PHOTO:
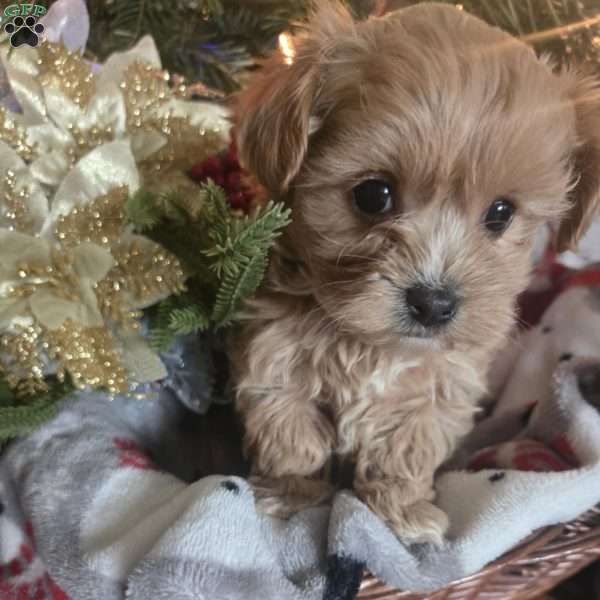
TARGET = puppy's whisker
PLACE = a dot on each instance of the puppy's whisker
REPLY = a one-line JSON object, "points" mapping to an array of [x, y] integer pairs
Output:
{"points": [[363, 257], [339, 283], [328, 239], [342, 253]]}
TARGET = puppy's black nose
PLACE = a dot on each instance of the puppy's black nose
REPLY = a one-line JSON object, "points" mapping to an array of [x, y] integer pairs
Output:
{"points": [[431, 306]]}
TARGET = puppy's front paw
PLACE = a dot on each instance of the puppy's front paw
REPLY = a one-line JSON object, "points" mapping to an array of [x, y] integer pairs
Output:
{"points": [[288, 439], [419, 522]]}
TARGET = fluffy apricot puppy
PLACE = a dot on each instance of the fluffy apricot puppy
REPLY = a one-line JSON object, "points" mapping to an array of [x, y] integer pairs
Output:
{"points": [[419, 152]]}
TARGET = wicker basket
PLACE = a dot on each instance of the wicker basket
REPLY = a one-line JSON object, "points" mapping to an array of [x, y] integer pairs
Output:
{"points": [[537, 565]]}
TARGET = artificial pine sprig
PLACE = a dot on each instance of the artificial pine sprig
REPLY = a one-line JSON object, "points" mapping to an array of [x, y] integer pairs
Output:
{"points": [[226, 255], [238, 239], [239, 254], [237, 285], [161, 335], [239, 251], [190, 319]]}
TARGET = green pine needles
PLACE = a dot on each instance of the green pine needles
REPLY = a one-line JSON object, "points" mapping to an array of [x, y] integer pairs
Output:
{"points": [[18, 416], [238, 256], [225, 255], [214, 41]]}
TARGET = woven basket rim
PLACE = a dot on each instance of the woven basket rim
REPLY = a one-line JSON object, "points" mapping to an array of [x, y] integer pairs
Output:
{"points": [[579, 539]]}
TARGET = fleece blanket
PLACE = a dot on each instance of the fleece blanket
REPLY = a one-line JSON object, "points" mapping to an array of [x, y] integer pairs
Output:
{"points": [[105, 501]]}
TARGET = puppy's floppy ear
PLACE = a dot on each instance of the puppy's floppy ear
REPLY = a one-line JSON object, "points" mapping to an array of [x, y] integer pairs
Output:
{"points": [[274, 116], [585, 196], [272, 119]]}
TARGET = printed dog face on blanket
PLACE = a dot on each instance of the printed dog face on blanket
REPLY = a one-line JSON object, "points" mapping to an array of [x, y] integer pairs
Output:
{"points": [[419, 153]]}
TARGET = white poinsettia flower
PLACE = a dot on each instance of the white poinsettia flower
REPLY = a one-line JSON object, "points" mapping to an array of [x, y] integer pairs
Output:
{"points": [[68, 113], [34, 284], [65, 266], [62, 129], [39, 277], [71, 130], [101, 170]]}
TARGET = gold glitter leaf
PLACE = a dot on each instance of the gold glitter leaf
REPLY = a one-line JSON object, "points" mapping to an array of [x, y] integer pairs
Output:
{"points": [[90, 356], [144, 90], [85, 140], [20, 361], [101, 221], [14, 213], [16, 136], [144, 273], [186, 145], [65, 71]]}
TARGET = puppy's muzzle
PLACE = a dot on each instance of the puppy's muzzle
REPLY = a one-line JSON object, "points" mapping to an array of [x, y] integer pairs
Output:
{"points": [[431, 307]]}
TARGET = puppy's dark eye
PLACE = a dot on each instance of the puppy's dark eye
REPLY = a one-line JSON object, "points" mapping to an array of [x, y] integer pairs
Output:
{"points": [[499, 215], [374, 197]]}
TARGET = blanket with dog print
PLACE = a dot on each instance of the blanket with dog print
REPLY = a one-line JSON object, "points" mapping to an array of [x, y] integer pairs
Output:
{"points": [[102, 502]]}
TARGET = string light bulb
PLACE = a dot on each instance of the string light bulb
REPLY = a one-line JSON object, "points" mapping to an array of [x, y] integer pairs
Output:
{"points": [[286, 46]]}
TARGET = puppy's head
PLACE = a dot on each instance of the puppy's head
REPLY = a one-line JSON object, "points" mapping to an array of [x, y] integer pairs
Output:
{"points": [[420, 152]]}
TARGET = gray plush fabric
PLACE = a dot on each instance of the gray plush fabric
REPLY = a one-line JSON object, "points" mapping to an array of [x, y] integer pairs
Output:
{"points": [[104, 501], [106, 523]]}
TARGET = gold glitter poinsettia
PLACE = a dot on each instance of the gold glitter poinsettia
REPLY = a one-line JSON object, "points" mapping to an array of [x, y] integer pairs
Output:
{"points": [[68, 110], [73, 275]]}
